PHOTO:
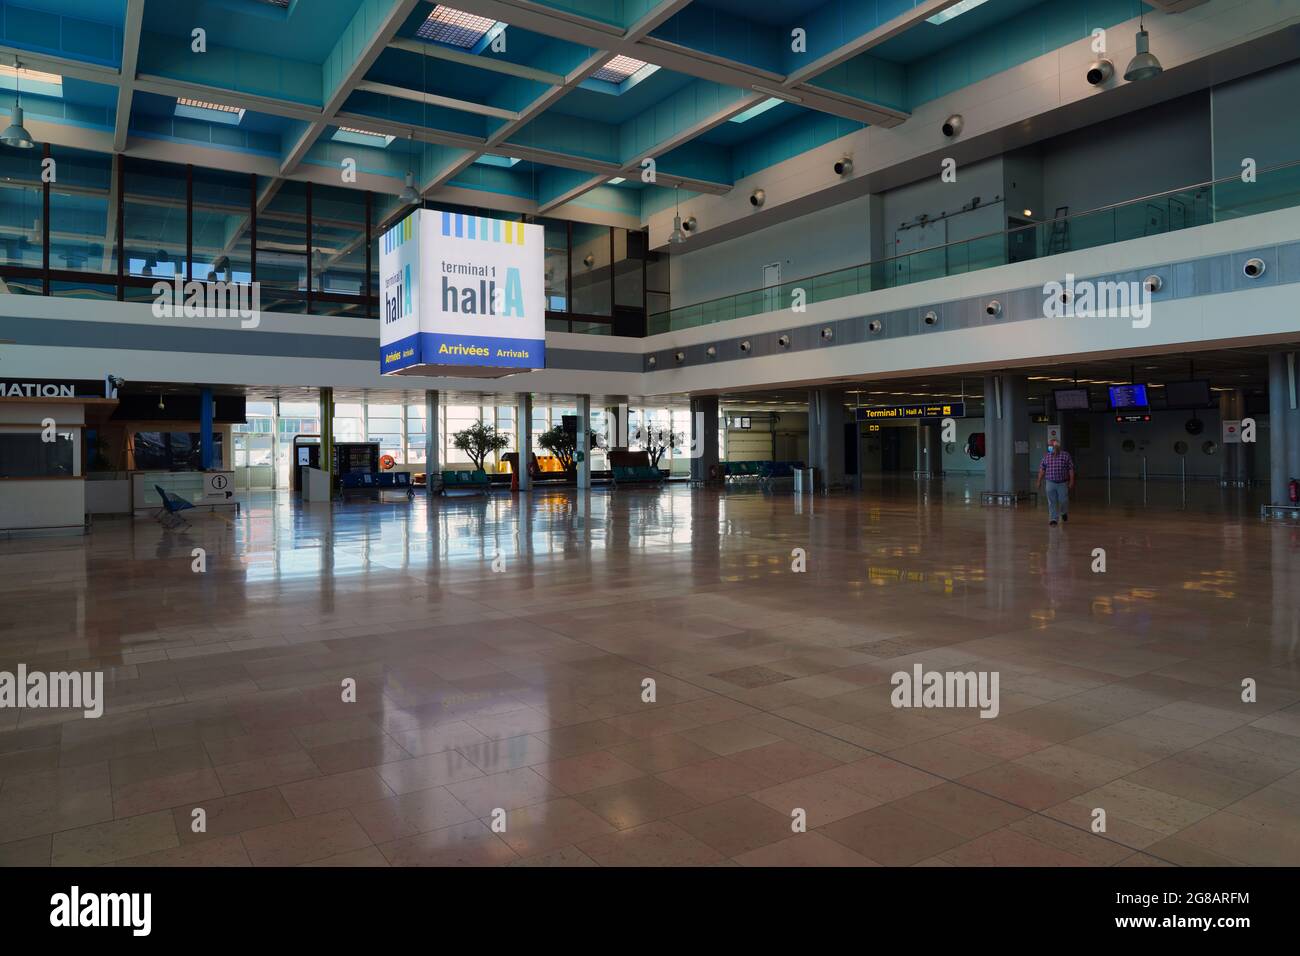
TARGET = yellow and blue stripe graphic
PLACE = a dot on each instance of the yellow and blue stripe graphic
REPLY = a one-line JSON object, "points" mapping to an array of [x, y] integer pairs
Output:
{"points": [[394, 237], [482, 229]]}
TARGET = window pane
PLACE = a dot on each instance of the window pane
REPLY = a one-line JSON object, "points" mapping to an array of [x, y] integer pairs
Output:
{"points": [[282, 238], [83, 237], [21, 208], [591, 273], [338, 238], [222, 226], [153, 218]]}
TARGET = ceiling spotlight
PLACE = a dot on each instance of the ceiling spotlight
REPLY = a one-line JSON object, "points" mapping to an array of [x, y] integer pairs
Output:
{"points": [[690, 224], [680, 357], [711, 351], [1253, 269], [745, 346], [993, 308], [783, 341], [1153, 283], [15, 133], [930, 318], [757, 197], [1099, 71], [1144, 65], [952, 125], [844, 166], [874, 326], [652, 361], [828, 333], [588, 260]]}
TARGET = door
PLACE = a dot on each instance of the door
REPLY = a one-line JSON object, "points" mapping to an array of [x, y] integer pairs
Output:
{"points": [[891, 449], [771, 286]]}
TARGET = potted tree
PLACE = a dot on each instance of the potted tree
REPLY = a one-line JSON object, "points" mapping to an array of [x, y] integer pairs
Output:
{"points": [[564, 446], [478, 441], [656, 439]]}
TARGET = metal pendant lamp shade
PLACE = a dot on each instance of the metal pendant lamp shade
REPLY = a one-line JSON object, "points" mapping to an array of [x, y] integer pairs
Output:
{"points": [[16, 134], [1144, 65], [409, 194]]}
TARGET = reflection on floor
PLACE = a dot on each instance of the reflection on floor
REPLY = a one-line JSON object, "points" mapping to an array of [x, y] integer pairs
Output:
{"points": [[499, 650]]}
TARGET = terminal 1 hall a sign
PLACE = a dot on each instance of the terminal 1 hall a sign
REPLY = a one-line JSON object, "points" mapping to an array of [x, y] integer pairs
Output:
{"points": [[912, 413], [462, 296]]}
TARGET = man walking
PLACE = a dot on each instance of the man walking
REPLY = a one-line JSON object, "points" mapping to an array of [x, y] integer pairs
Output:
{"points": [[1057, 467]]}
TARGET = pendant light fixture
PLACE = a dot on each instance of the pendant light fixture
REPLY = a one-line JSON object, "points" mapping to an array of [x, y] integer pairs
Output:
{"points": [[1144, 65], [409, 194], [677, 236], [15, 133]]}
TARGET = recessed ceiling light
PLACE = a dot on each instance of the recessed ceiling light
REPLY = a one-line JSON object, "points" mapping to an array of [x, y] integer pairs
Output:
{"points": [[617, 180], [362, 137], [212, 112]]}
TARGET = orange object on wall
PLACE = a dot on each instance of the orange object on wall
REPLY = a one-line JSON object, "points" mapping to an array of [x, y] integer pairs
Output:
{"points": [[387, 462]]}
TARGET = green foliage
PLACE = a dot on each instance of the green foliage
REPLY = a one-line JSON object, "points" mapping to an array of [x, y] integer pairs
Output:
{"points": [[478, 441]]}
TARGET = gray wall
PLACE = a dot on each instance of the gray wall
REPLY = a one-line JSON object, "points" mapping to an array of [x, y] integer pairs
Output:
{"points": [[833, 238], [936, 198], [1256, 117], [1150, 151]]}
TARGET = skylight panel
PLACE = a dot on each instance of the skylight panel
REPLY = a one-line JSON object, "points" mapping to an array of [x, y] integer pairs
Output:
{"points": [[455, 27], [31, 81], [487, 159], [756, 110], [956, 10], [619, 69]]}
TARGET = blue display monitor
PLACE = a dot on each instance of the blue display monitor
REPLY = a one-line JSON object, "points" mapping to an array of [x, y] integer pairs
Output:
{"points": [[1128, 396]]}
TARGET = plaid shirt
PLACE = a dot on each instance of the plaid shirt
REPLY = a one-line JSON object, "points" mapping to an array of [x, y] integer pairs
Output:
{"points": [[1057, 467]]}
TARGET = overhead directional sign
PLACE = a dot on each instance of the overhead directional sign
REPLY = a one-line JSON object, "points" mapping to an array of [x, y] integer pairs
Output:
{"points": [[462, 295], [875, 413]]}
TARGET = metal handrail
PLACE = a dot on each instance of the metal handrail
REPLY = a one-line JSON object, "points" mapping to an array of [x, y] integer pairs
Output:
{"points": [[1209, 183]]}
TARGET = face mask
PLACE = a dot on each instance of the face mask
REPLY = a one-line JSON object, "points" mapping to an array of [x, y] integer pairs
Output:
{"points": [[1051, 449]]}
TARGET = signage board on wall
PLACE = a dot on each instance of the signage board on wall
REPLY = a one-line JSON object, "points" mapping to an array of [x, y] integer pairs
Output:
{"points": [[461, 296], [50, 388], [870, 413]]}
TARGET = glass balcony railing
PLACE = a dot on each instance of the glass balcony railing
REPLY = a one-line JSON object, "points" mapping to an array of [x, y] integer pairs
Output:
{"points": [[1277, 187]]}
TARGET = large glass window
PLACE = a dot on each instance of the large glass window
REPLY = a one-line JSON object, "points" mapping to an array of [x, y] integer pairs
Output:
{"points": [[22, 203], [222, 226], [557, 265], [415, 433], [384, 425], [83, 214], [282, 247], [154, 218]]}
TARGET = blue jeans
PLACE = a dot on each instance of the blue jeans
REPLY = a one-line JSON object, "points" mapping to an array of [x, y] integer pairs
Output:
{"points": [[1058, 499]]}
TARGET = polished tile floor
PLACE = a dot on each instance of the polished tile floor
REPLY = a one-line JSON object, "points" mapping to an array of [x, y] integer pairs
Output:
{"points": [[499, 650]]}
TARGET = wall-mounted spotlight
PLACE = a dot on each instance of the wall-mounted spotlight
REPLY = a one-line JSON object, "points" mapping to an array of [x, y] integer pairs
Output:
{"points": [[745, 346], [757, 197], [1153, 283], [1099, 71], [783, 341], [588, 260], [930, 318], [828, 333], [652, 361], [711, 351], [874, 326], [844, 167], [952, 125], [1065, 296], [680, 357], [994, 308], [1253, 269], [690, 225]]}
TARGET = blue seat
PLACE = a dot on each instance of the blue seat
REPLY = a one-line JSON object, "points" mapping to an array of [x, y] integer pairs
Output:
{"points": [[172, 505]]}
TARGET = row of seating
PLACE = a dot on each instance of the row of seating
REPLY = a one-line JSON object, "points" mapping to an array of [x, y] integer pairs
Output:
{"points": [[631, 474], [761, 469], [372, 483], [472, 482]]}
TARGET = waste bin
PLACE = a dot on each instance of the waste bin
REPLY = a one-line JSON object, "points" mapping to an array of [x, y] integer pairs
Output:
{"points": [[803, 481]]}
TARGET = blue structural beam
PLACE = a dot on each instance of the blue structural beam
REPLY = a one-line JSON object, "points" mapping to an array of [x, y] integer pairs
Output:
{"points": [[869, 79], [723, 34], [670, 121], [229, 69], [570, 135], [206, 414], [74, 38]]}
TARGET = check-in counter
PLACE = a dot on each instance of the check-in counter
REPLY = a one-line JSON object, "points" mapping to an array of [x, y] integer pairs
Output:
{"points": [[41, 483]]}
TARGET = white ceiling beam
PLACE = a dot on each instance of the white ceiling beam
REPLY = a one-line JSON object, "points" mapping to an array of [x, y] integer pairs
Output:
{"points": [[126, 78], [434, 99], [90, 72], [432, 50], [379, 41], [164, 86]]}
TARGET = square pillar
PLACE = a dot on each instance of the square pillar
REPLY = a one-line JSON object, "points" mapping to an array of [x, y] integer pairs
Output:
{"points": [[582, 452], [432, 440], [326, 430], [207, 411], [524, 437], [704, 436], [826, 420]]}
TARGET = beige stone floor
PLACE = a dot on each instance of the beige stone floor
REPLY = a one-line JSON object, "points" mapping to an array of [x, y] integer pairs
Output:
{"points": [[520, 690]]}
